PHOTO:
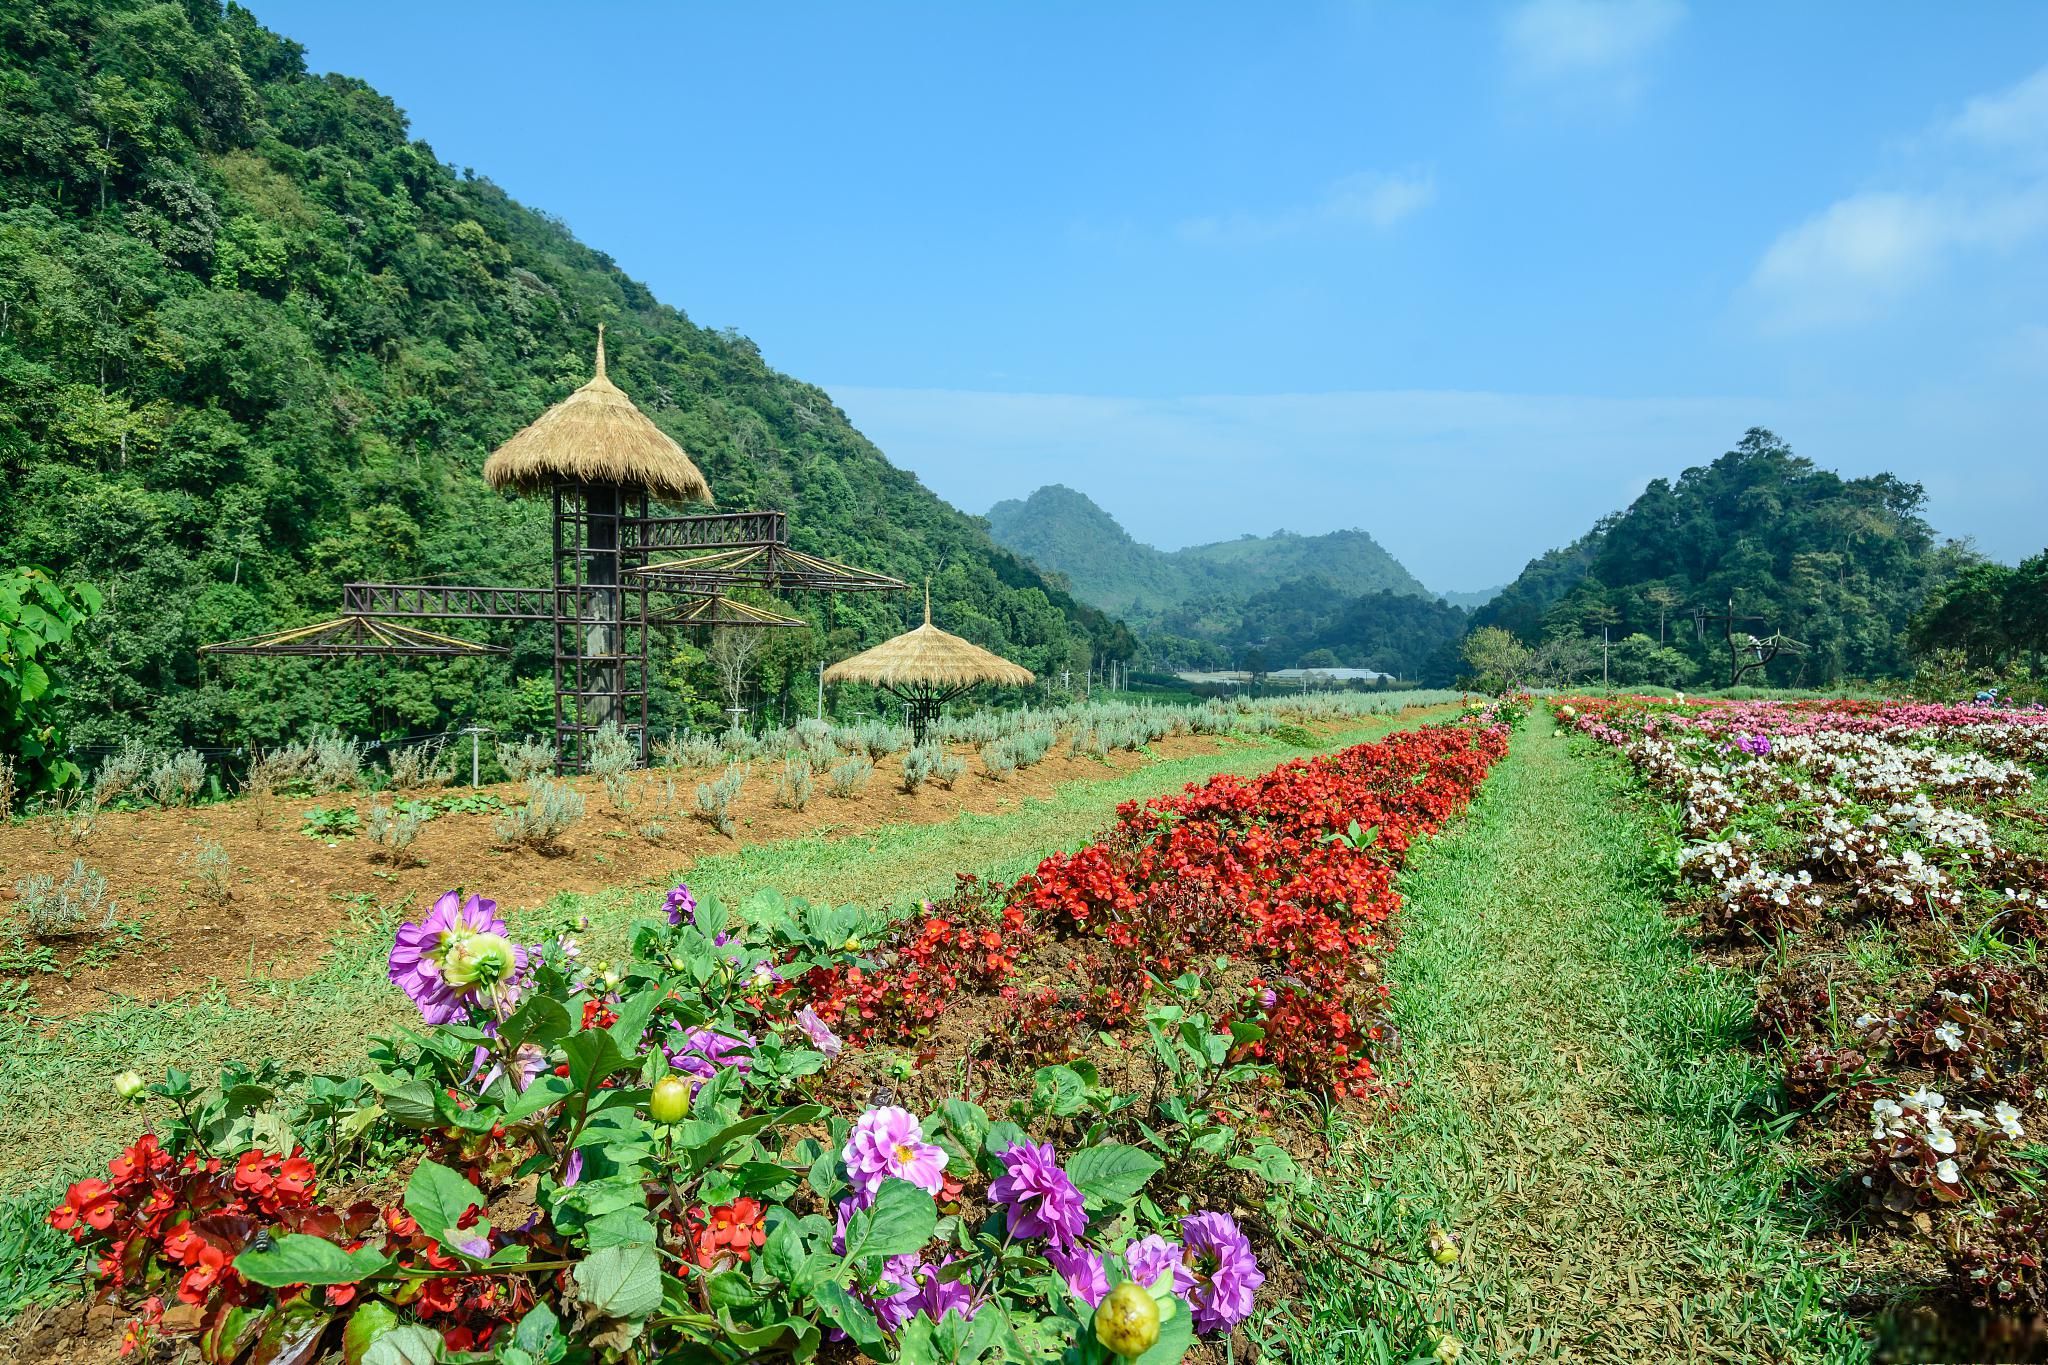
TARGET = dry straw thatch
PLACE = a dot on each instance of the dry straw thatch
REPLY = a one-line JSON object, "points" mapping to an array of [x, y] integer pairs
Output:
{"points": [[596, 436], [928, 660]]}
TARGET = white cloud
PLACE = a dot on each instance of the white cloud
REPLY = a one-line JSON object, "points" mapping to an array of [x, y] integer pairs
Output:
{"points": [[2014, 119], [1370, 200], [1593, 46], [1858, 256]]}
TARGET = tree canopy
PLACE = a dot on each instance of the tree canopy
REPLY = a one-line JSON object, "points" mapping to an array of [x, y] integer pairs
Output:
{"points": [[1839, 565]]}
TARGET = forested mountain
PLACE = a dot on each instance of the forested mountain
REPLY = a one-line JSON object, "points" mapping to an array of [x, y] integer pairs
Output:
{"points": [[1336, 600], [255, 340], [1062, 530], [1303, 623], [1839, 565]]}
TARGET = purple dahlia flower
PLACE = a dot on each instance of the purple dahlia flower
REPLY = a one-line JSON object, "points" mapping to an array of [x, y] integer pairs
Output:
{"points": [[937, 1297], [1041, 1199], [1227, 1274], [1146, 1258], [457, 956], [703, 1053], [1086, 1276]]}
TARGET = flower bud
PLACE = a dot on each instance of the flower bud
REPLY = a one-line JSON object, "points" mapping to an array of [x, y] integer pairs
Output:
{"points": [[670, 1101], [1448, 1349], [129, 1085], [1443, 1246], [477, 959], [1127, 1321]]}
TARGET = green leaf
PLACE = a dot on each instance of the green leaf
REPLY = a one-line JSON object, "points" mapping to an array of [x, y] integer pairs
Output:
{"points": [[783, 1254], [731, 1289], [843, 1311], [1112, 1173], [902, 1220], [1059, 1090], [407, 1345], [437, 1198], [371, 1320], [593, 1055], [542, 1092], [968, 1122], [622, 1282], [539, 1334], [618, 1228], [407, 1099], [1176, 1336], [634, 1012], [297, 1258]]}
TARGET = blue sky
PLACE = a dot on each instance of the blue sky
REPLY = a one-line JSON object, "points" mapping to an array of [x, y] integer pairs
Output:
{"points": [[1466, 276]]}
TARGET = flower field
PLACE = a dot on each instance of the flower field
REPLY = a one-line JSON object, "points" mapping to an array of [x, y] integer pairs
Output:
{"points": [[1064, 1116], [1882, 869]]}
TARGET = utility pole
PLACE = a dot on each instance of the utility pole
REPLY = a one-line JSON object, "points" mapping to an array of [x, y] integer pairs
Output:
{"points": [[821, 689], [1603, 659], [476, 734]]}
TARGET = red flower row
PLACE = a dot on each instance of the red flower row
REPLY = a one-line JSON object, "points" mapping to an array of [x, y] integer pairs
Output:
{"points": [[1263, 869]]}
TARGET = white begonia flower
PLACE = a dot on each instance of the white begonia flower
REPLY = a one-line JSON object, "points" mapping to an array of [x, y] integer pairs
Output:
{"points": [[2008, 1120], [1923, 1098], [1947, 1173], [1951, 1035]]}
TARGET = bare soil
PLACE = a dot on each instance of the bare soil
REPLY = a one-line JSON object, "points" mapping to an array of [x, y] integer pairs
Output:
{"points": [[291, 892]]}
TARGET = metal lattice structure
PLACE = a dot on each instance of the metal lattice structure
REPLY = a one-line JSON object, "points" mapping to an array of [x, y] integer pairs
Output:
{"points": [[618, 570]]}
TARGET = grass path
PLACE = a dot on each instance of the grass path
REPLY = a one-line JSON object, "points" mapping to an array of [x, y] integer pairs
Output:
{"points": [[1570, 1106], [57, 1117]]}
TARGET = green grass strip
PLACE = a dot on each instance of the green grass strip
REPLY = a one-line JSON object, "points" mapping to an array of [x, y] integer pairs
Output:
{"points": [[1571, 1104]]}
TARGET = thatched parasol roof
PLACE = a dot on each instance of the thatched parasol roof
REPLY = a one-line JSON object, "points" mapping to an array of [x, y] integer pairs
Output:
{"points": [[596, 435], [928, 659]]}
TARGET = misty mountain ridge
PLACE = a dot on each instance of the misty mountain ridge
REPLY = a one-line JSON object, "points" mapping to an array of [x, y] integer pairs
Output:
{"points": [[1065, 531]]}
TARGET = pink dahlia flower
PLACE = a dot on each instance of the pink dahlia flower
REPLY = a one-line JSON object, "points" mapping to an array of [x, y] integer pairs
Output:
{"points": [[889, 1142]]}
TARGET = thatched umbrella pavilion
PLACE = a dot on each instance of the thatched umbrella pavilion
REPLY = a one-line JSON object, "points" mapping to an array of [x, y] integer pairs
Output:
{"points": [[596, 438], [601, 459], [927, 668]]}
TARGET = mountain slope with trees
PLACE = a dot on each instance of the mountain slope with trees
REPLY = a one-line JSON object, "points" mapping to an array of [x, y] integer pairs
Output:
{"points": [[1258, 602], [255, 341], [1838, 565]]}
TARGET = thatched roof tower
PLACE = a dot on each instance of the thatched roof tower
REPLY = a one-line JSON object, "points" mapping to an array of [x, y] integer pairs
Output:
{"points": [[596, 436], [928, 660]]}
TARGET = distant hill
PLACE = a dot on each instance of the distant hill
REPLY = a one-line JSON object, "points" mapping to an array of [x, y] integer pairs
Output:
{"points": [[1277, 601], [1065, 531], [1838, 564], [1472, 601]]}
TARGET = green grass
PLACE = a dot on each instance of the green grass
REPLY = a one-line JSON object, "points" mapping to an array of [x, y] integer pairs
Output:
{"points": [[60, 1121], [1572, 1104]]}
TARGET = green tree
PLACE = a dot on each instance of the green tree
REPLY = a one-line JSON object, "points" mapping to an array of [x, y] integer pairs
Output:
{"points": [[1497, 661], [37, 616]]}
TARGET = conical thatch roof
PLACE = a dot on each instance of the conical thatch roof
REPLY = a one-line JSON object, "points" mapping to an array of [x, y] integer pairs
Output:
{"points": [[596, 435], [928, 659]]}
